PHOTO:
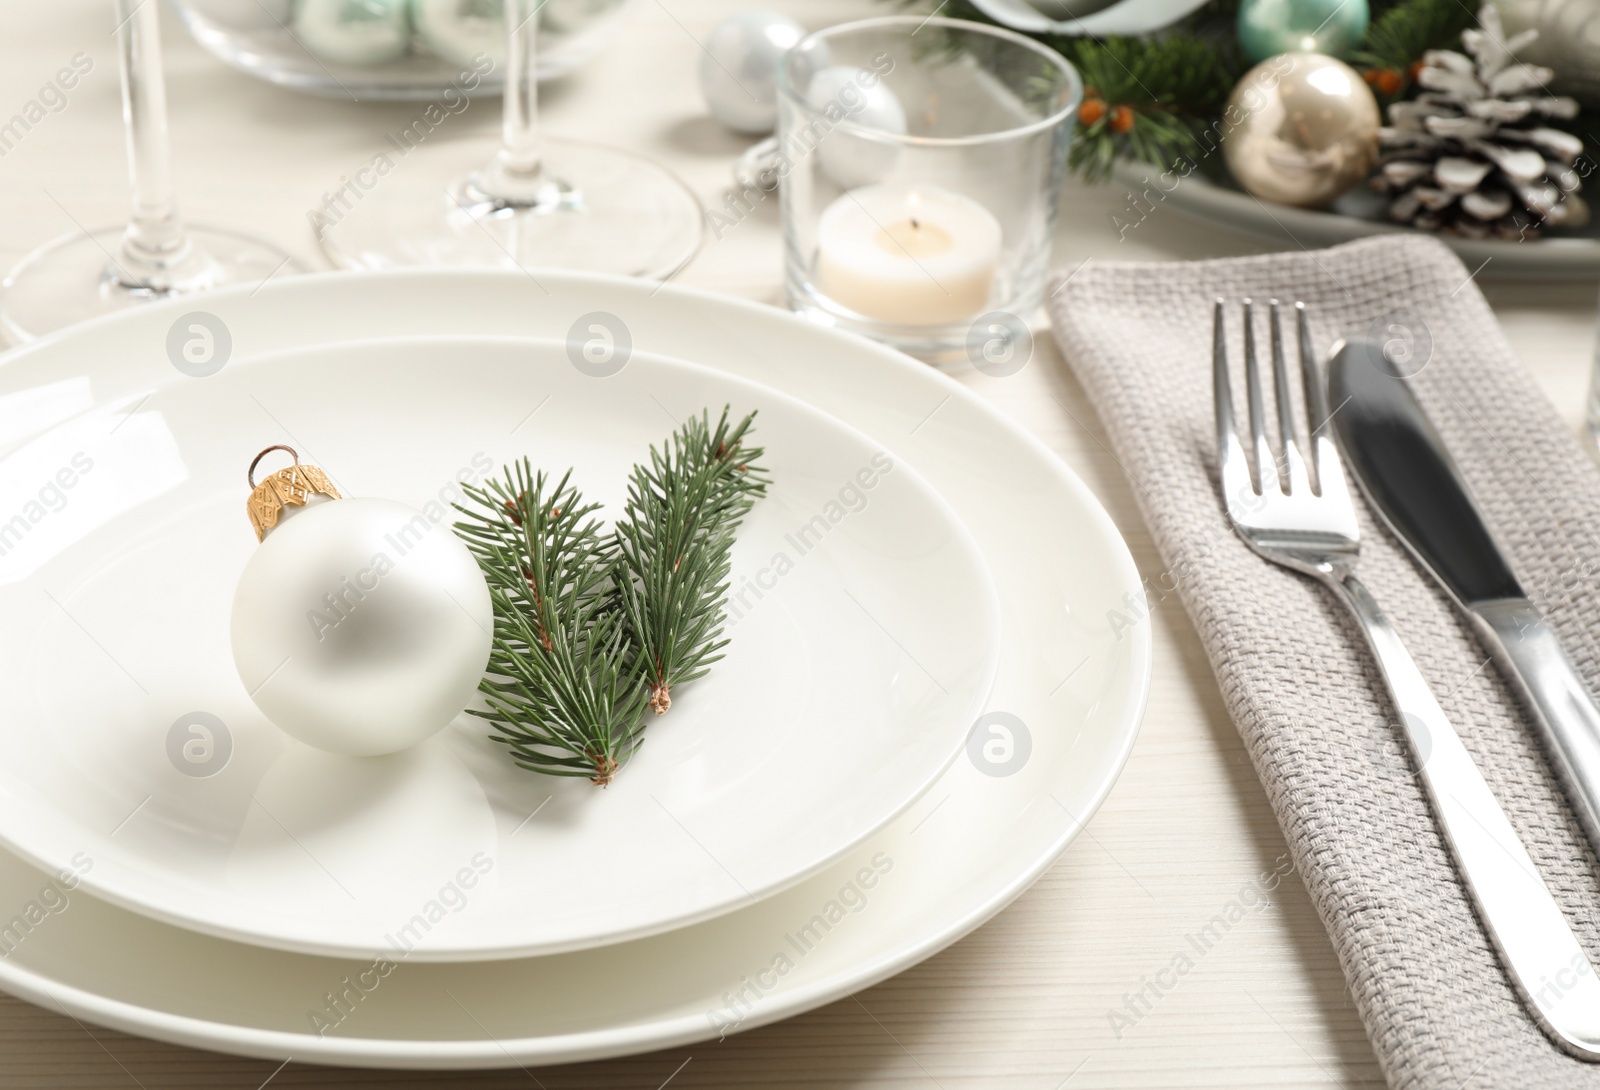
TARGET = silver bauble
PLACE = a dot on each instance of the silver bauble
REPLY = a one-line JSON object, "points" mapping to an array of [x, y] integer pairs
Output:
{"points": [[361, 627], [857, 97], [1300, 129], [739, 68]]}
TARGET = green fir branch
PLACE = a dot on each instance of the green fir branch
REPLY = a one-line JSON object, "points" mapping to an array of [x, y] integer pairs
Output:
{"points": [[673, 548], [1175, 84], [592, 630], [561, 689], [1399, 36]]}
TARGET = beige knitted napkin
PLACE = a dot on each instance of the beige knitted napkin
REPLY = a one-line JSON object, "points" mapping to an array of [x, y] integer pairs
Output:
{"points": [[1294, 671]]}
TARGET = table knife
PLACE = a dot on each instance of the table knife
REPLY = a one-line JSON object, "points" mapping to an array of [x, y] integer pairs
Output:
{"points": [[1409, 477]]}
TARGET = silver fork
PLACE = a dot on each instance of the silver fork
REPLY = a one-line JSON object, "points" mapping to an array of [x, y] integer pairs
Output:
{"points": [[1314, 531]]}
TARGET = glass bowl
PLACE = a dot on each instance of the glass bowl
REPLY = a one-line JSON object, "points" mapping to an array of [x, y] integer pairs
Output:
{"points": [[269, 40]]}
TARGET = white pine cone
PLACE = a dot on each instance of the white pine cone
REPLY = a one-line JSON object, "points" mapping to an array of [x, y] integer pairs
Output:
{"points": [[1469, 155]]}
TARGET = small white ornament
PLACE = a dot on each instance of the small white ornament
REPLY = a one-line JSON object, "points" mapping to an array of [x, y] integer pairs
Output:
{"points": [[460, 30], [739, 68], [358, 33], [359, 626], [858, 97], [1086, 17]]}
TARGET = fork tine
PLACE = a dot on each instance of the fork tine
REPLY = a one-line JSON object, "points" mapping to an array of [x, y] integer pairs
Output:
{"points": [[1312, 532], [1299, 478], [1324, 454], [1266, 462], [1316, 392], [1234, 468], [1221, 388]]}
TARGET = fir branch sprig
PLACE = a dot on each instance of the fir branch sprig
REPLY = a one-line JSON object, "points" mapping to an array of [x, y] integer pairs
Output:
{"points": [[1145, 98], [593, 629], [1397, 38], [1391, 53], [561, 686], [1148, 99], [673, 547]]}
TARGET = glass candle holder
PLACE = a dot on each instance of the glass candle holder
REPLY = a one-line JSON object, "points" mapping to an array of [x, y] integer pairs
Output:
{"points": [[921, 163]]}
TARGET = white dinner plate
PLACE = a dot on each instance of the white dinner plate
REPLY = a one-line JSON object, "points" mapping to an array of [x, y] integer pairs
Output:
{"points": [[847, 689], [1056, 731]]}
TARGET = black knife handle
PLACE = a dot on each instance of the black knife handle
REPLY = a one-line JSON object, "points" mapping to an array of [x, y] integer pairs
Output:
{"points": [[1407, 474]]}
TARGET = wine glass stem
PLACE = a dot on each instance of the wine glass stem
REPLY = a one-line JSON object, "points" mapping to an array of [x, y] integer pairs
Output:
{"points": [[155, 241], [519, 152]]}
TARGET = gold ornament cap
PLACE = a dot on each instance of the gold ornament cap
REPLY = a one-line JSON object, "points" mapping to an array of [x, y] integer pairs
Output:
{"points": [[292, 486]]}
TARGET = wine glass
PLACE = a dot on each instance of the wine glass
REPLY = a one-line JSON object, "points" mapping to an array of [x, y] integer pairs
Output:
{"points": [[525, 200], [155, 255]]}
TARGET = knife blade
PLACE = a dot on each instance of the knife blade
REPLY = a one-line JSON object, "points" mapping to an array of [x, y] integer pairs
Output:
{"points": [[1409, 477]]}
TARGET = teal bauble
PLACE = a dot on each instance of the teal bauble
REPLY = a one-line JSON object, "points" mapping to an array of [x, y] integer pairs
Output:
{"points": [[460, 30], [1270, 27], [354, 33]]}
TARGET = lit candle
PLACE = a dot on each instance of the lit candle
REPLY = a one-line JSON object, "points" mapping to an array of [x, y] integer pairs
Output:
{"points": [[908, 256]]}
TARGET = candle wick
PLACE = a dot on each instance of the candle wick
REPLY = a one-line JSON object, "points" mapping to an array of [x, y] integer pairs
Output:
{"points": [[915, 226]]}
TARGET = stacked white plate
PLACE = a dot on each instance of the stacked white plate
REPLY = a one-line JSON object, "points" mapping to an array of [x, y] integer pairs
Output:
{"points": [[922, 704]]}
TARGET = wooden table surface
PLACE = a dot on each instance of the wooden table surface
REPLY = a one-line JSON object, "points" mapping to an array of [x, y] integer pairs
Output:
{"points": [[1026, 1001]]}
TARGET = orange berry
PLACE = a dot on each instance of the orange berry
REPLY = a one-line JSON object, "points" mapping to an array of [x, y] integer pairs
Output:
{"points": [[1121, 119], [1091, 111], [1416, 66], [1388, 82]]}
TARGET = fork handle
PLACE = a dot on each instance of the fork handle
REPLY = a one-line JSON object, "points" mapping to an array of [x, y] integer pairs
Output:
{"points": [[1527, 927]]}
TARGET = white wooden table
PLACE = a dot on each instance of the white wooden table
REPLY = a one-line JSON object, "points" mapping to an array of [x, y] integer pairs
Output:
{"points": [[1025, 1002]]}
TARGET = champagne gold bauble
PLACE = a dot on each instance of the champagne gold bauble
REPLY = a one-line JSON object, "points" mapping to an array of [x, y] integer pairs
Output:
{"points": [[1300, 129]]}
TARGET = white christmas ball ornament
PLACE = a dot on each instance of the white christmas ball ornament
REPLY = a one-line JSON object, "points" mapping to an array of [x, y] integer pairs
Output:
{"points": [[1077, 18], [359, 626], [358, 33], [856, 97], [739, 68], [460, 30]]}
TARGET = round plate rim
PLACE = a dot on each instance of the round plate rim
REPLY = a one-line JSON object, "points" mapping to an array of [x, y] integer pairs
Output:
{"points": [[217, 925], [614, 1041]]}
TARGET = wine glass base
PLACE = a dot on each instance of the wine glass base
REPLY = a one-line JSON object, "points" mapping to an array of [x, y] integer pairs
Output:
{"points": [[80, 276], [617, 212], [479, 197]]}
